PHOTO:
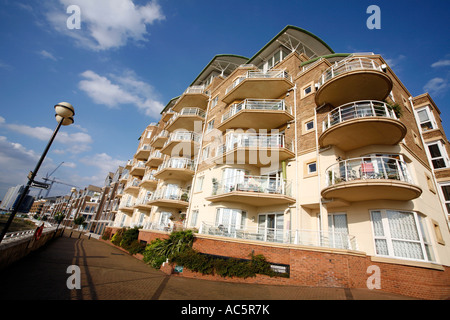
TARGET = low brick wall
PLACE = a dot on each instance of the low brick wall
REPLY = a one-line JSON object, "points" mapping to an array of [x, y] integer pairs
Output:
{"points": [[322, 267], [11, 252]]}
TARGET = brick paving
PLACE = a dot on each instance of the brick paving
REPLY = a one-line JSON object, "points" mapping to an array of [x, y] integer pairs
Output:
{"points": [[108, 273]]}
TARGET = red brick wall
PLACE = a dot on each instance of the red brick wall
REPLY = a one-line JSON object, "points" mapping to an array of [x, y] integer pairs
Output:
{"points": [[316, 267]]}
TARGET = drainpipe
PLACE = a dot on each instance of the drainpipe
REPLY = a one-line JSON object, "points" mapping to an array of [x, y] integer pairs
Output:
{"points": [[323, 220], [296, 163]]}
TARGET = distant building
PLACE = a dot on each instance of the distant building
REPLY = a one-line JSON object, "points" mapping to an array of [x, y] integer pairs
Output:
{"points": [[12, 197]]}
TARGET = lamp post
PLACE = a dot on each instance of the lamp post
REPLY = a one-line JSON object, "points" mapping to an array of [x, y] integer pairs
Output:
{"points": [[64, 116]]}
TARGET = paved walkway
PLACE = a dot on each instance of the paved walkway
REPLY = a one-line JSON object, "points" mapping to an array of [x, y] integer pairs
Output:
{"points": [[107, 273]]}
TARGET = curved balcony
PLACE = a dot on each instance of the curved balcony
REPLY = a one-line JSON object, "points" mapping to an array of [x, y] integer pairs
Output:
{"points": [[138, 169], [159, 140], [353, 79], [182, 144], [142, 204], [176, 168], [371, 178], [170, 197], [143, 152], [256, 149], [256, 191], [149, 180], [155, 159], [256, 114], [257, 84], [194, 96], [360, 124], [132, 186], [188, 119]]}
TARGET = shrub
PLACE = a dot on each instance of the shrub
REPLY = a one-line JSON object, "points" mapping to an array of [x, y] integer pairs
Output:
{"points": [[106, 234], [117, 237], [136, 247], [128, 237], [152, 254]]}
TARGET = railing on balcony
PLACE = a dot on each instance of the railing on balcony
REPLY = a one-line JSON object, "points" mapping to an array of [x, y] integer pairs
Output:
{"points": [[158, 226], [195, 89], [145, 147], [150, 176], [178, 163], [184, 136], [258, 74], [367, 168], [139, 164], [167, 193], [254, 140], [186, 112], [356, 110], [134, 183], [251, 104], [162, 134], [336, 240], [347, 65], [247, 183]]}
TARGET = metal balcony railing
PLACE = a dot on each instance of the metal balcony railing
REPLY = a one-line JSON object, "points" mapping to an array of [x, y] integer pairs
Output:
{"points": [[256, 141], [251, 104], [367, 168], [259, 184], [187, 112], [168, 193], [356, 110], [336, 240], [347, 65], [183, 136], [195, 89], [258, 74], [178, 163]]}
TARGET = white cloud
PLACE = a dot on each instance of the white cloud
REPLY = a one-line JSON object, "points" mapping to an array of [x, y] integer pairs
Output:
{"points": [[441, 63], [104, 164], [117, 90], [436, 86], [47, 55], [107, 24], [74, 142]]}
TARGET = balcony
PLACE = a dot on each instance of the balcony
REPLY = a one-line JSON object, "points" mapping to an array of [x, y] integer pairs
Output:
{"points": [[256, 114], [129, 164], [176, 168], [149, 180], [182, 144], [256, 84], [314, 238], [159, 140], [138, 169], [132, 186], [143, 152], [353, 79], [371, 178], [170, 197], [256, 149], [167, 115], [258, 191], [155, 159], [194, 96], [142, 204], [188, 119], [360, 124]]}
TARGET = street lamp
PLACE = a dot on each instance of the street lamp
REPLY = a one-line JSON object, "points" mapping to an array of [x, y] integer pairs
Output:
{"points": [[64, 116]]}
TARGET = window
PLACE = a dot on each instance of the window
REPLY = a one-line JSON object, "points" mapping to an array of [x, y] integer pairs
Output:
{"points": [[228, 220], [199, 185], [273, 60], [426, 119], [164, 219], [401, 234], [205, 153], [438, 155], [338, 230], [210, 126], [214, 101], [194, 217], [307, 90], [312, 167], [445, 188], [309, 125]]}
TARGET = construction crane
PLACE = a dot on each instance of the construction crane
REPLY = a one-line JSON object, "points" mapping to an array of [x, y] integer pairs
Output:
{"points": [[56, 181]]}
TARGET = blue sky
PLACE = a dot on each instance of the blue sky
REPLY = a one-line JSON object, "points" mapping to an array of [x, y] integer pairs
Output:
{"points": [[131, 57]]}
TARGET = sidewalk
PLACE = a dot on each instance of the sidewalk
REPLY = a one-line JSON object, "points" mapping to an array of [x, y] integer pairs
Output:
{"points": [[108, 273]]}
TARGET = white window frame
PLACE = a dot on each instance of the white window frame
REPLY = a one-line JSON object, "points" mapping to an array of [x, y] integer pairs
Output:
{"points": [[240, 217], [199, 184], [271, 234], [214, 101], [421, 228], [441, 193], [442, 150], [210, 126], [194, 217], [431, 118]]}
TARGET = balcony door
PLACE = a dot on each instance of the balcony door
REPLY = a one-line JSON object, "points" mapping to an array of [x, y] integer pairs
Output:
{"points": [[338, 230], [228, 220], [171, 191], [232, 178], [271, 226], [164, 219]]}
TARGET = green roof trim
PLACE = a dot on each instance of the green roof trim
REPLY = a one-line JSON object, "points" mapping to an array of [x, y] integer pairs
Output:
{"points": [[167, 105], [212, 60], [344, 55], [283, 31]]}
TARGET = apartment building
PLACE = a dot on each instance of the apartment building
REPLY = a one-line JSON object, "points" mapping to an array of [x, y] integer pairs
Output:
{"points": [[297, 145]]}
